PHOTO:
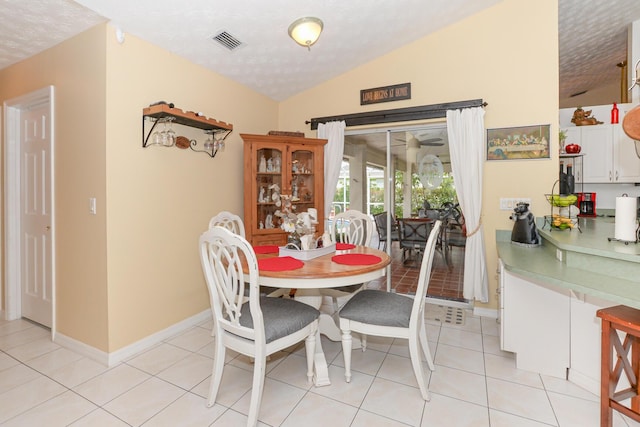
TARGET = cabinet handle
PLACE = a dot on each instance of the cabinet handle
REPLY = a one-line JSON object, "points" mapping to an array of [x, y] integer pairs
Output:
{"points": [[610, 177], [616, 175]]}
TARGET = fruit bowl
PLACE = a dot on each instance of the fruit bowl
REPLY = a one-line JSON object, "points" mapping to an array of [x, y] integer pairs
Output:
{"points": [[561, 222], [561, 200], [572, 148]]}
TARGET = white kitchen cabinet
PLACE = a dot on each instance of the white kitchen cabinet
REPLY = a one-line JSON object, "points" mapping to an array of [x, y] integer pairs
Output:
{"points": [[585, 341], [609, 154], [552, 330], [625, 159], [535, 324], [597, 146]]}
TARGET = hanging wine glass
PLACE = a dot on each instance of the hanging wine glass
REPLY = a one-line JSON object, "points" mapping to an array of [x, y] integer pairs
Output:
{"points": [[155, 138], [220, 142], [208, 144], [164, 138], [171, 134]]}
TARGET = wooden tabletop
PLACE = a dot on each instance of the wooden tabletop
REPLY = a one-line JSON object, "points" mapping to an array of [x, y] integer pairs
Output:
{"points": [[322, 272]]}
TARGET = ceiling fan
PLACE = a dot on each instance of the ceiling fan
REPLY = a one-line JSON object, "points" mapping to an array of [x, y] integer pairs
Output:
{"points": [[431, 142], [423, 140]]}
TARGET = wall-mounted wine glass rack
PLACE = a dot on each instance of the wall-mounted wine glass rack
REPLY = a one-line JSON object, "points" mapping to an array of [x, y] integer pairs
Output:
{"points": [[163, 112]]}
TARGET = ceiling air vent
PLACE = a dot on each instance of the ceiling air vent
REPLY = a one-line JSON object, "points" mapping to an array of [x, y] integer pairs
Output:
{"points": [[227, 41]]}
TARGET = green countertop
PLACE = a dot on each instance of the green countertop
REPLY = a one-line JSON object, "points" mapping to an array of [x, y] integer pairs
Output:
{"points": [[592, 238], [585, 262]]}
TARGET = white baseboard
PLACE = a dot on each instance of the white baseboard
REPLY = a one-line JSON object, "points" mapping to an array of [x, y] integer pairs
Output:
{"points": [[448, 303], [110, 359], [485, 312], [82, 348]]}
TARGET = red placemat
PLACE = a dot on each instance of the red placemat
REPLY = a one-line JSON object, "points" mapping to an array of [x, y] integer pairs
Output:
{"points": [[356, 259], [266, 249], [344, 246], [283, 263]]}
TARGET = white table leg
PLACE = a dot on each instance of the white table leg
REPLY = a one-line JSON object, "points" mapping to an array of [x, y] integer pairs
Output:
{"points": [[321, 374], [326, 326]]}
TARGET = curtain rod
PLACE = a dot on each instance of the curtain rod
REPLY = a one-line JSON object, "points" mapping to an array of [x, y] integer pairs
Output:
{"points": [[433, 111]]}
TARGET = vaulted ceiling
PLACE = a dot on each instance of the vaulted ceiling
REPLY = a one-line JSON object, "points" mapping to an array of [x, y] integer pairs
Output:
{"points": [[592, 34]]}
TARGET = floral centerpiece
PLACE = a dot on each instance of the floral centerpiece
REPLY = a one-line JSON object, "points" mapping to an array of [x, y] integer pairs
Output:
{"points": [[292, 223]]}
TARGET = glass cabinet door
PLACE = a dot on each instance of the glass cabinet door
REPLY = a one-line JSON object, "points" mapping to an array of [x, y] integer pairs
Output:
{"points": [[302, 180], [269, 185]]}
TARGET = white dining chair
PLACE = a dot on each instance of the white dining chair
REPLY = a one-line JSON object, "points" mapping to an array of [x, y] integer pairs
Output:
{"points": [[256, 327], [386, 314], [233, 223], [230, 221], [353, 227]]}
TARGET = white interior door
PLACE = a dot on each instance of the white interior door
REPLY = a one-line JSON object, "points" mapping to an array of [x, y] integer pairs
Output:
{"points": [[35, 214]]}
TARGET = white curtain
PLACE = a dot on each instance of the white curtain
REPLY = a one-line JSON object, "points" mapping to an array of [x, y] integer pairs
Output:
{"points": [[333, 152], [466, 145]]}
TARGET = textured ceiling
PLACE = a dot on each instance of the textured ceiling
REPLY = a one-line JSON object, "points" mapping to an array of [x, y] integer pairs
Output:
{"points": [[592, 40], [592, 34], [30, 27], [355, 31]]}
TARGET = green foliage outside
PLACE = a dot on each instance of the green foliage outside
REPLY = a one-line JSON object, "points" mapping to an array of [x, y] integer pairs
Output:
{"points": [[376, 196], [341, 198], [436, 197], [441, 195]]}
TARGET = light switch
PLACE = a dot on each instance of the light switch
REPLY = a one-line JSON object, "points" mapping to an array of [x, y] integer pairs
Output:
{"points": [[92, 205]]}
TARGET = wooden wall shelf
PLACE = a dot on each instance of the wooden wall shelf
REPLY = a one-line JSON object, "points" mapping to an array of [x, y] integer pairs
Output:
{"points": [[189, 118], [163, 112]]}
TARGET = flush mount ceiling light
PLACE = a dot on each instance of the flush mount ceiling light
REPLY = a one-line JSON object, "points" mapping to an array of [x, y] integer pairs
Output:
{"points": [[306, 31]]}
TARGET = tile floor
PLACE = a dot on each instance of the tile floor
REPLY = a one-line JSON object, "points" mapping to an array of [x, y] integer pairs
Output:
{"points": [[474, 384], [446, 280]]}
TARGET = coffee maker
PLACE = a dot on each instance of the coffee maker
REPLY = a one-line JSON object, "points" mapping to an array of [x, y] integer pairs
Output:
{"points": [[587, 204]]}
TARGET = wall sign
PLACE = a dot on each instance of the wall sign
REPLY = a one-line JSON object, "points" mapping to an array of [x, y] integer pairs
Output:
{"points": [[385, 94]]}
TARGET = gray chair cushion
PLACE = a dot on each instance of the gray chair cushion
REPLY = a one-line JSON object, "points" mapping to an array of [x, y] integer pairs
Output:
{"points": [[378, 308], [281, 316]]}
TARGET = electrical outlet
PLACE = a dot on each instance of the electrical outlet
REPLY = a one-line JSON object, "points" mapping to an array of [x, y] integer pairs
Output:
{"points": [[508, 203]]}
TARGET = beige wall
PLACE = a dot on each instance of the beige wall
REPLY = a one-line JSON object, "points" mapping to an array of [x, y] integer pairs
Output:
{"points": [[159, 200], [133, 269], [77, 70], [486, 56]]}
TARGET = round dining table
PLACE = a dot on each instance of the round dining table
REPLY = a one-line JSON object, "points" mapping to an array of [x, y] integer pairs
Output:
{"points": [[342, 267]]}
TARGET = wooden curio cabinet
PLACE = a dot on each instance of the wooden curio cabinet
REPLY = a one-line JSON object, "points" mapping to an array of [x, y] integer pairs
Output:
{"points": [[295, 165]]}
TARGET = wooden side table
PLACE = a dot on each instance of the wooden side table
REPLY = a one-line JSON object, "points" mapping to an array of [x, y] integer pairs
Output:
{"points": [[624, 319]]}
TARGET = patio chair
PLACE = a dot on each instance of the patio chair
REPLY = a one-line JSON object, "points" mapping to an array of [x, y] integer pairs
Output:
{"points": [[454, 231], [256, 327], [413, 236], [381, 226], [386, 314]]}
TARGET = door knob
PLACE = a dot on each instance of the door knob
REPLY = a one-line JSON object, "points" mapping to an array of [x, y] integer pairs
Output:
{"points": [[48, 227]]}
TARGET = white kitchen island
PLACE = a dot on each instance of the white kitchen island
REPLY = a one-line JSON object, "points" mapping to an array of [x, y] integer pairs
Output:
{"points": [[549, 296]]}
